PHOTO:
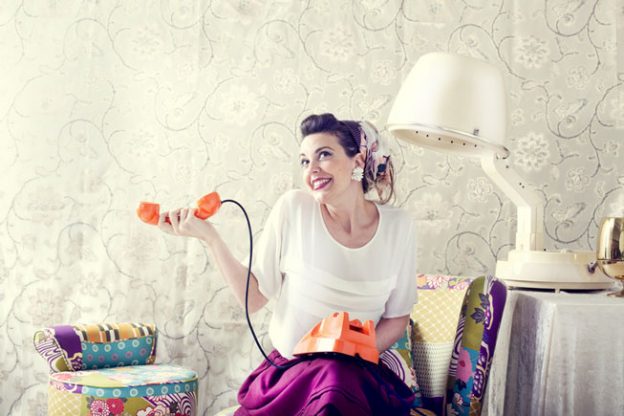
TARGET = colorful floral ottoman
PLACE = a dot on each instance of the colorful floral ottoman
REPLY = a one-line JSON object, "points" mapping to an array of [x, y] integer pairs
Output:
{"points": [[108, 370]]}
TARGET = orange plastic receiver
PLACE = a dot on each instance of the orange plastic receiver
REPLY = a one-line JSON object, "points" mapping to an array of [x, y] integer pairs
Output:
{"points": [[337, 334], [207, 206]]}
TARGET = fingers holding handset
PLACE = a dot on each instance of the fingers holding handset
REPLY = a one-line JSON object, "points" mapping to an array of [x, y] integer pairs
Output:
{"points": [[177, 219], [184, 222], [164, 223]]}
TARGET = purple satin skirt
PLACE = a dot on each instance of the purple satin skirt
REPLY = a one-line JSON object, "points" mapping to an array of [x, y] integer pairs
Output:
{"points": [[323, 385]]}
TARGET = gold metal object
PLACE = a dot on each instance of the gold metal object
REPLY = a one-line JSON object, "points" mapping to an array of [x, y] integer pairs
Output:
{"points": [[610, 249]]}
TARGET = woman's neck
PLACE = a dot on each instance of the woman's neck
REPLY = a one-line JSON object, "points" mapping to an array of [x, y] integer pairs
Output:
{"points": [[351, 217]]}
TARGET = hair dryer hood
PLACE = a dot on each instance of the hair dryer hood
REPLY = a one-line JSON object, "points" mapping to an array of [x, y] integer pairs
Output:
{"points": [[452, 103]]}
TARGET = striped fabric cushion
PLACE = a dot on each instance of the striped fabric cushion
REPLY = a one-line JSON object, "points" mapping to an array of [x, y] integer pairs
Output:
{"points": [[81, 347], [113, 332]]}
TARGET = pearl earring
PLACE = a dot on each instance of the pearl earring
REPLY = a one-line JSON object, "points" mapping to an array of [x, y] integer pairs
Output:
{"points": [[357, 174]]}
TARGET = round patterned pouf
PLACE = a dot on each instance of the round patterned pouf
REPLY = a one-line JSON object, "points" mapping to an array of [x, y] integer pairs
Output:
{"points": [[140, 390], [107, 369]]}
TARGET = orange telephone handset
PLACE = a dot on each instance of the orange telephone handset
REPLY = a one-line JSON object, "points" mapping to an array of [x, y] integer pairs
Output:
{"points": [[339, 335], [207, 205]]}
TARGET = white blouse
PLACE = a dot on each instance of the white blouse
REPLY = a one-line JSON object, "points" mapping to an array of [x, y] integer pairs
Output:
{"points": [[311, 275]]}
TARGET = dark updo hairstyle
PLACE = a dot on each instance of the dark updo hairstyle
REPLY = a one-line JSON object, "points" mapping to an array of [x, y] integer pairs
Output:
{"points": [[348, 134]]}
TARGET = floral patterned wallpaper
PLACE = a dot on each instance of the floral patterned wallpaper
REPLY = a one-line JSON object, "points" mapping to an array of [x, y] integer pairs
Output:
{"points": [[105, 104]]}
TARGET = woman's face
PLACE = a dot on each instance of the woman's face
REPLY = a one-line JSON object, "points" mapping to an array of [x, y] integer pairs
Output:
{"points": [[326, 167]]}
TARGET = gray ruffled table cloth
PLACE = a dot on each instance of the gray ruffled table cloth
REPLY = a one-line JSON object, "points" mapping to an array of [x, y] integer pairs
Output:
{"points": [[558, 354]]}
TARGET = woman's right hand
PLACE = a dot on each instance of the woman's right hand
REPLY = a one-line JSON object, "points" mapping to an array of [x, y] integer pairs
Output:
{"points": [[185, 223]]}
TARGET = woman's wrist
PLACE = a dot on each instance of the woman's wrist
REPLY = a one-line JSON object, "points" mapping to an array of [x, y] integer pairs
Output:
{"points": [[211, 239]]}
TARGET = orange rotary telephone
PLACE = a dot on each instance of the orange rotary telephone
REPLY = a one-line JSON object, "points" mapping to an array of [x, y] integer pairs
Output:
{"points": [[337, 334]]}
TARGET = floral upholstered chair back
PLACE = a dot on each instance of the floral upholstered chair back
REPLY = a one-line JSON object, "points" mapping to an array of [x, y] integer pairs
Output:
{"points": [[454, 333], [435, 318], [473, 349]]}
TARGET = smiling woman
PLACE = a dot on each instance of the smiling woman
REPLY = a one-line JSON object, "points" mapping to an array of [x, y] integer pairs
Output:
{"points": [[340, 163], [358, 141], [326, 167], [323, 250]]}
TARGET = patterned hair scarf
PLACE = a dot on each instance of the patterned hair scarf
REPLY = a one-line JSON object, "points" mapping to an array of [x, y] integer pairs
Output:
{"points": [[377, 154]]}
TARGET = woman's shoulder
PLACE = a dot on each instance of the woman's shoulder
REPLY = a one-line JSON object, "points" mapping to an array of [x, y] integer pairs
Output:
{"points": [[295, 198], [395, 214], [396, 221]]}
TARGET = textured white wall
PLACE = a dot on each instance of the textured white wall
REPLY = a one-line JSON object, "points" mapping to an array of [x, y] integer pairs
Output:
{"points": [[104, 104]]}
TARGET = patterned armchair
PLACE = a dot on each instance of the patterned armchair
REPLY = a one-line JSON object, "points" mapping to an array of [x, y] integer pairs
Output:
{"points": [[109, 370], [445, 354]]}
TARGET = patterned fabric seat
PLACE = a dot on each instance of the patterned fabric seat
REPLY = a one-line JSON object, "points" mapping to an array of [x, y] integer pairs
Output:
{"points": [[109, 370]]}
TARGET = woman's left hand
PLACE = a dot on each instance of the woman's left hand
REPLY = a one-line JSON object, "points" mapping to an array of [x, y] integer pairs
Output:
{"points": [[389, 330]]}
